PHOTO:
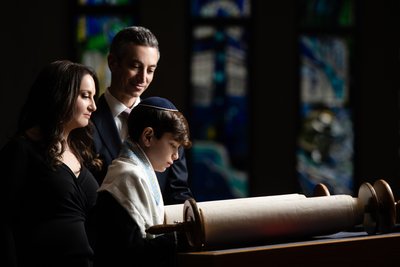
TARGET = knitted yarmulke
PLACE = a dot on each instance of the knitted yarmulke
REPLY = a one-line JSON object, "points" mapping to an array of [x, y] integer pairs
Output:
{"points": [[158, 103]]}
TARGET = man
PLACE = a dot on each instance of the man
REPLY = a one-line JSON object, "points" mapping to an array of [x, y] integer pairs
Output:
{"points": [[132, 59]]}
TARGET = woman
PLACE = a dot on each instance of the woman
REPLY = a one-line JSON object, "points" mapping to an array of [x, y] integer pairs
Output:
{"points": [[49, 192]]}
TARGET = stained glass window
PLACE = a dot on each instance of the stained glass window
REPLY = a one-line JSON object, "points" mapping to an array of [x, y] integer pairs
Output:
{"points": [[105, 2], [96, 22], [220, 100], [220, 8], [325, 151], [94, 35]]}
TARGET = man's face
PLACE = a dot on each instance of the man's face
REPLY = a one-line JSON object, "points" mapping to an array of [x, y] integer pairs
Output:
{"points": [[133, 72]]}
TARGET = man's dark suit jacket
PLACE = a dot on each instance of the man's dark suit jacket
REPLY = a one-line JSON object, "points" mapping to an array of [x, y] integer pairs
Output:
{"points": [[107, 142]]}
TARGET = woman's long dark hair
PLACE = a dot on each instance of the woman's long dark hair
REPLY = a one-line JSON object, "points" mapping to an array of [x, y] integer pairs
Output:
{"points": [[50, 104]]}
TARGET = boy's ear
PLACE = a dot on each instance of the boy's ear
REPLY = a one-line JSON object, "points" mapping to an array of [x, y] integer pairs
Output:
{"points": [[146, 136]]}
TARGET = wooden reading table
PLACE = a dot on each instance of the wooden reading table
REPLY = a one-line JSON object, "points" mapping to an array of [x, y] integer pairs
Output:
{"points": [[341, 249]]}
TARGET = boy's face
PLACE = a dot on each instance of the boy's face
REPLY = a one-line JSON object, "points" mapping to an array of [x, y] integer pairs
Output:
{"points": [[162, 152]]}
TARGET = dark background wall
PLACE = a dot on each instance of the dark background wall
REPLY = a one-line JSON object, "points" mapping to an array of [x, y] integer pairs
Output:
{"points": [[41, 32]]}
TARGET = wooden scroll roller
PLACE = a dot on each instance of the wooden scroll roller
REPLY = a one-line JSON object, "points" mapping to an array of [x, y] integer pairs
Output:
{"points": [[260, 219], [380, 214]]}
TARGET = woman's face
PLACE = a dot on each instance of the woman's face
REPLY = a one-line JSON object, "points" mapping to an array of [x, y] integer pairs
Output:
{"points": [[84, 105]]}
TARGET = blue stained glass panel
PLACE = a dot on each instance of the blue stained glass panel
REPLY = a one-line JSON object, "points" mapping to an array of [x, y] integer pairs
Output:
{"points": [[219, 121], [221, 8], [105, 2], [323, 13], [325, 144]]}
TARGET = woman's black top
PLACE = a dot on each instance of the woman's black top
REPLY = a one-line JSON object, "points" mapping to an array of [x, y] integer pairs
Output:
{"points": [[46, 210]]}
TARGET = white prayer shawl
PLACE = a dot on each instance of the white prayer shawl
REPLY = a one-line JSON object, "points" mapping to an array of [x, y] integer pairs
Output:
{"points": [[133, 183]]}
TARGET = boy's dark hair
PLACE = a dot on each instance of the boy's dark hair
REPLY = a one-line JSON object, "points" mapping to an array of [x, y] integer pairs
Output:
{"points": [[162, 121]]}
